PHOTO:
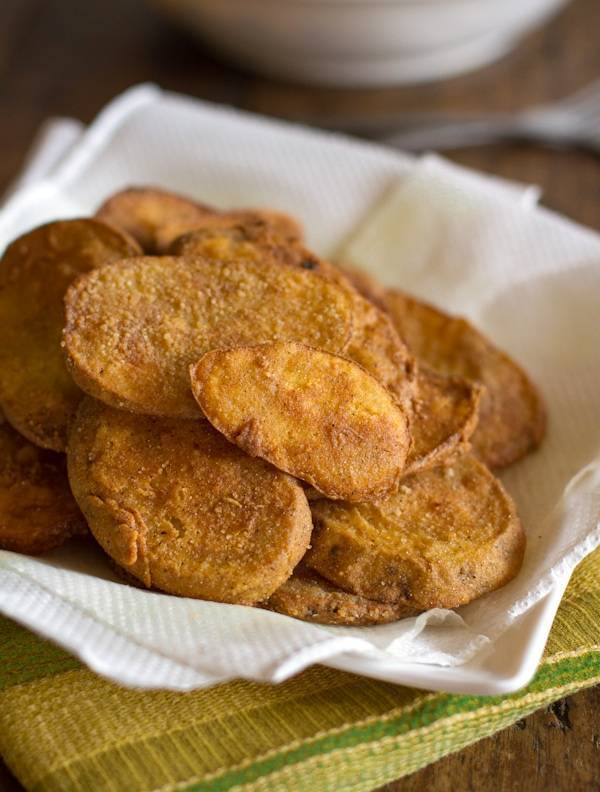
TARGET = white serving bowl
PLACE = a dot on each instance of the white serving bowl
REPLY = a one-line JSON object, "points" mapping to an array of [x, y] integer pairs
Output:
{"points": [[361, 42]]}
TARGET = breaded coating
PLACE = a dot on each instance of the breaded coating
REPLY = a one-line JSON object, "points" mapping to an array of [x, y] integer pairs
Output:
{"points": [[278, 224], [37, 393], [449, 535], [308, 596], [377, 347], [252, 239], [133, 330], [444, 418], [144, 211], [317, 416], [512, 417], [37, 510], [375, 343], [157, 217], [282, 226], [183, 510]]}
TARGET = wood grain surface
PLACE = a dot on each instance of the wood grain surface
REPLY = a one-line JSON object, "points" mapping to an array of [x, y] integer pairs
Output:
{"points": [[65, 57]]}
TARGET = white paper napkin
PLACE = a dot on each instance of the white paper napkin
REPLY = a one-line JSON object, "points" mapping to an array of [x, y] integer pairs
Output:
{"points": [[472, 243]]}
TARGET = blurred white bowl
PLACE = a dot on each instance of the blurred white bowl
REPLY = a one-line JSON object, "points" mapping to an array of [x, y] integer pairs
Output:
{"points": [[361, 42]]}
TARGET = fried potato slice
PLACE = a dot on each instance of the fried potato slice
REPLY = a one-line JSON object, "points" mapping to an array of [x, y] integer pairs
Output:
{"points": [[253, 239], [308, 596], [448, 536], [37, 393], [444, 418], [37, 510], [267, 222], [512, 417], [183, 510], [133, 330], [377, 347], [317, 416], [446, 409], [157, 217], [144, 211], [279, 225], [375, 344]]}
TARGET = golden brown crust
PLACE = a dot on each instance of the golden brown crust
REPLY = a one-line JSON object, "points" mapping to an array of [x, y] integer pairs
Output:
{"points": [[143, 211], [281, 223], [317, 416], [311, 493], [36, 392], [156, 218], [37, 511], [133, 332], [375, 344], [448, 536], [308, 596], [377, 347], [251, 238], [512, 415], [266, 222], [183, 510], [270, 222], [444, 417]]}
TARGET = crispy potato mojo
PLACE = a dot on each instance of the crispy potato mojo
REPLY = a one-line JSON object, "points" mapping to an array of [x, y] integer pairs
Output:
{"points": [[512, 418], [145, 213], [377, 347], [37, 510], [157, 217], [444, 417], [448, 536], [132, 333], [249, 236], [264, 225], [308, 596], [375, 343], [37, 393], [183, 510], [315, 415]]}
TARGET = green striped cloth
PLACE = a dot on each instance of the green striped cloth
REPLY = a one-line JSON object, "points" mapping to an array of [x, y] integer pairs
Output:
{"points": [[64, 728]]}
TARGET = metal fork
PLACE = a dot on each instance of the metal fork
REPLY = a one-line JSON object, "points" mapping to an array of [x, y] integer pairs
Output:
{"points": [[573, 122]]}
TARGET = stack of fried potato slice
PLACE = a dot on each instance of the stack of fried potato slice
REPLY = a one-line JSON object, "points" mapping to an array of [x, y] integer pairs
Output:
{"points": [[247, 423]]}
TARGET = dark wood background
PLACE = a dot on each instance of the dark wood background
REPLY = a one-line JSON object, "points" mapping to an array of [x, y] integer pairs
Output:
{"points": [[68, 57]]}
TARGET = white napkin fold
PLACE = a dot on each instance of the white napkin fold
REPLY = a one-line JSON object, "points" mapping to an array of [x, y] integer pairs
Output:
{"points": [[472, 243], [54, 138]]}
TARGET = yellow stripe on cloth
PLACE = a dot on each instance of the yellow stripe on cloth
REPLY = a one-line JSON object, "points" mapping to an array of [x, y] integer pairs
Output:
{"points": [[91, 747], [577, 623], [322, 730], [80, 716], [367, 766]]}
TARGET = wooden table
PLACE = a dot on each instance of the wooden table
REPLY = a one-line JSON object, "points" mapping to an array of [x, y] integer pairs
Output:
{"points": [[65, 57]]}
